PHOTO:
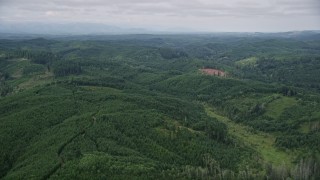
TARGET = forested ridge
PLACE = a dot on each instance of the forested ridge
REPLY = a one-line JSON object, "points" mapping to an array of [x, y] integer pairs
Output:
{"points": [[139, 107]]}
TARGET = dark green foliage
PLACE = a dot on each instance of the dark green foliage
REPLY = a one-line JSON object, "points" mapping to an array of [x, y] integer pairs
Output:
{"points": [[131, 107], [33, 69], [213, 129], [101, 82], [296, 140], [4, 87], [66, 68], [115, 125], [38, 57], [169, 53], [301, 72], [43, 58]]}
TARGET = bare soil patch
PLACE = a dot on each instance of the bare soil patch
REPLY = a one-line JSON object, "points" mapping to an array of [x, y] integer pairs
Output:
{"points": [[213, 72]]}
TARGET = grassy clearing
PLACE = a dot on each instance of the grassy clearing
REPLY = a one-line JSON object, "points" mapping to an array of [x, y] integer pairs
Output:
{"points": [[316, 115], [262, 142], [37, 80], [251, 61], [305, 127], [276, 107]]}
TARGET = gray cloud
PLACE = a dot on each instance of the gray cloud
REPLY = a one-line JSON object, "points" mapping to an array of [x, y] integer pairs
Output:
{"points": [[208, 15]]}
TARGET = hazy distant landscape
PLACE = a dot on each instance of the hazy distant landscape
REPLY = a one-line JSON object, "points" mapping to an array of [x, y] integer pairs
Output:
{"points": [[160, 90]]}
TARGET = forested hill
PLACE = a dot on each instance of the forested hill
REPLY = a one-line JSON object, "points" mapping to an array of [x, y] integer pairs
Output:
{"points": [[205, 106]]}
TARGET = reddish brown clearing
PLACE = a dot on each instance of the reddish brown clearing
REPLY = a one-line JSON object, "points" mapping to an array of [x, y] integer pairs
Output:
{"points": [[215, 72]]}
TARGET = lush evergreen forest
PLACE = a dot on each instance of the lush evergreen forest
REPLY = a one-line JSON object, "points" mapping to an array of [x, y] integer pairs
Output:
{"points": [[138, 107]]}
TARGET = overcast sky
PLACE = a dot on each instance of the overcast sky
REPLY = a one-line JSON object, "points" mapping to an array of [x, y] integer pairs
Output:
{"points": [[194, 15]]}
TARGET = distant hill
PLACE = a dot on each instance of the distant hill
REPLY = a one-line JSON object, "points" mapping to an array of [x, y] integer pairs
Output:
{"points": [[65, 28]]}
